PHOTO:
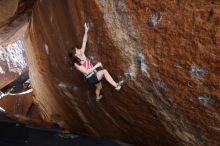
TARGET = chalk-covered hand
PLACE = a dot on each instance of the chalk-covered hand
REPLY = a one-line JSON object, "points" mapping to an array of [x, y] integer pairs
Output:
{"points": [[86, 27]]}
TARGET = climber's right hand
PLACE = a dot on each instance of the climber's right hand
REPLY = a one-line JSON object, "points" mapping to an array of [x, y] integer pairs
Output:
{"points": [[86, 26]]}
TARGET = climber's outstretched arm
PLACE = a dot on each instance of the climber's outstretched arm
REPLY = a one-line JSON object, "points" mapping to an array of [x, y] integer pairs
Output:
{"points": [[83, 48]]}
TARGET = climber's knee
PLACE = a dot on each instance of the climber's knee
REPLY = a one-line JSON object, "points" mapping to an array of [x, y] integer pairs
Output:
{"points": [[104, 71], [98, 86]]}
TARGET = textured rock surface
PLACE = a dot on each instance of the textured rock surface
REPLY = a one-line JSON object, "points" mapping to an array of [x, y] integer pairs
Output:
{"points": [[12, 62], [13, 22], [167, 51], [21, 105], [13, 19]]}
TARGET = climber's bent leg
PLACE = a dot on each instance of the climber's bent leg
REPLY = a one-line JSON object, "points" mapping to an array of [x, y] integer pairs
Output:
{"points": [[98, 90], [104, 73]]}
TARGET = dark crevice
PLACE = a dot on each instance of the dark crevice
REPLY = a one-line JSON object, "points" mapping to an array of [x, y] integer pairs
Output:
{"points": [[31, 110]]}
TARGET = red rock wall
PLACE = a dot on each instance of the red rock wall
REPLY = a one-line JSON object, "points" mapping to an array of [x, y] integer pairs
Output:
{"points": [[13, 19], [21, 105], [167, 51], [13, 23], [14, 16]]}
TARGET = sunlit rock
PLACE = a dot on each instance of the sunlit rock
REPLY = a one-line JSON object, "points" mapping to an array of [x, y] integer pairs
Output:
{"points": [[12, 62]]}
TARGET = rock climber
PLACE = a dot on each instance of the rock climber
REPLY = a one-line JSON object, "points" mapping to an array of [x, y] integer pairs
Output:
{"points": [[92, 76]]}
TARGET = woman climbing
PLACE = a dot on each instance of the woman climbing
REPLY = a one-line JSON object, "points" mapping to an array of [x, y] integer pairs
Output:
{"points": [[84, 65]]}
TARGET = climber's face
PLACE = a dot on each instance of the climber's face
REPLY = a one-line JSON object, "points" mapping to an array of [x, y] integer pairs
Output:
{"points": [[78, 52]]}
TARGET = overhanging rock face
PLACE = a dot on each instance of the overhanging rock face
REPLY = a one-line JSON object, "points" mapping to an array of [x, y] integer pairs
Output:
{"points": [[167, 52], [13, 19], [13, 22]]}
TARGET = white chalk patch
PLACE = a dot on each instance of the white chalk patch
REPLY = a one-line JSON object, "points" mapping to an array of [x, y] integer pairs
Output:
{"points": [[46, 48], [131, 72], [25, 92], [197, 71], [140, 56], [206, 99], [155, 18], [160, 84], [1, 70], [2, 110], [144, 69], [13, 54]]}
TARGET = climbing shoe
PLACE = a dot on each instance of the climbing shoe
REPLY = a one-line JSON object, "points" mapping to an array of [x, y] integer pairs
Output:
{"points": [[120, 83], [99, 97]]}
